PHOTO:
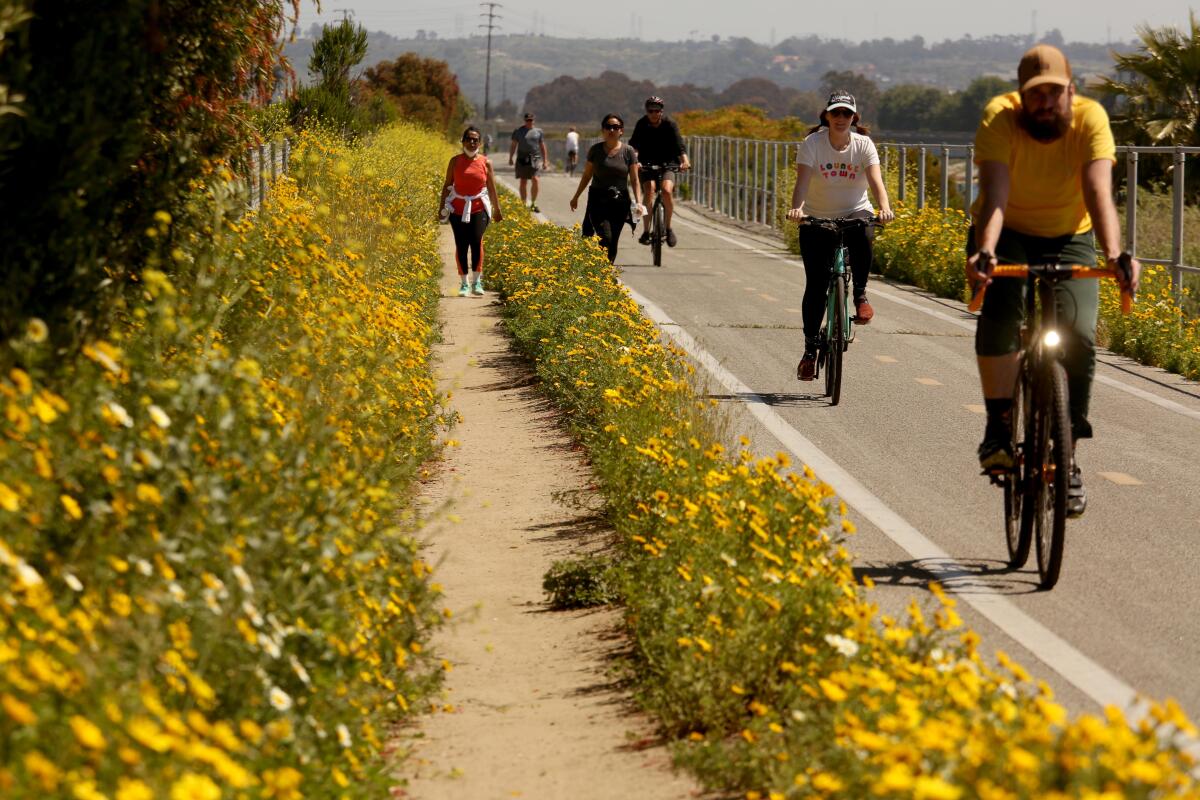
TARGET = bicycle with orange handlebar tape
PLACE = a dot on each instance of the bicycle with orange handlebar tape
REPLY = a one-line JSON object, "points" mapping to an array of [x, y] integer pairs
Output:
{"points": [[1035, 487]]}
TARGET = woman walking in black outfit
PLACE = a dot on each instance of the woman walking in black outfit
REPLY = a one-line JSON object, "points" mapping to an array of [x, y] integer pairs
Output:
{"points": [[612, 170]]}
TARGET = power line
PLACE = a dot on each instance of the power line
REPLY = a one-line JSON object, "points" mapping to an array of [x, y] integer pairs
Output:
{"points": [[492, 16]]}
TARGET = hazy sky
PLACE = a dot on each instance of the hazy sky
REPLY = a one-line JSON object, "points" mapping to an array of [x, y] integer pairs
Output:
{"points": [[763, 20]]}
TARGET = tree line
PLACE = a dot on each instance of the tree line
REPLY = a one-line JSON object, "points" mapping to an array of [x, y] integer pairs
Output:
{"points": [[908, 107]]}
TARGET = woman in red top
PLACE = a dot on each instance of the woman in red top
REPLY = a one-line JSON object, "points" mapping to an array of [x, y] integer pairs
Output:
{"points": [[469, 199]]}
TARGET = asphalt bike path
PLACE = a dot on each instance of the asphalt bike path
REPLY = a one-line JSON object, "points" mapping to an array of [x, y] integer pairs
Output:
{"points": [[1124, 618]]}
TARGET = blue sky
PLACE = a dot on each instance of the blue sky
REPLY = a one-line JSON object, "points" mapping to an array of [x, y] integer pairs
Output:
{"points": [[763, 20]]}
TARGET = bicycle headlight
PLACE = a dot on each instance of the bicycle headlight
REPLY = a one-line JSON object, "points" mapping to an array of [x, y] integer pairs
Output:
{"points": [[1051, 339]]}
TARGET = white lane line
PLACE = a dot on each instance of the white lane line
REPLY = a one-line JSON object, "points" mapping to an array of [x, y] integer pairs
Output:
{"points": [[976, 408], [930, 382], [769, 298], [1161, 402], [886, 360], [793, 311], [1120, 478], [1077, 669]]}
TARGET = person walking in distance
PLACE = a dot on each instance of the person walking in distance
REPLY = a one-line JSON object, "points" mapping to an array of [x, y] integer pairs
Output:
{"points": [[528, 150], [1045, 157], [657, 140], [612, 170], [470, 201], [834, 169], [572, 150]]}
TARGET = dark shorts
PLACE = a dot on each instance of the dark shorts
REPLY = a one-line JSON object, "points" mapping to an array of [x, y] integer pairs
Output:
{"points": [[658, 176], [999, 331], [1078, 302], [529, 169]]}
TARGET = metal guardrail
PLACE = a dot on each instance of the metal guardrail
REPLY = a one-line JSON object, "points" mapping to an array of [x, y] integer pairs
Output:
{"points": [[751, 180], [264, 164], [1178, 164]]}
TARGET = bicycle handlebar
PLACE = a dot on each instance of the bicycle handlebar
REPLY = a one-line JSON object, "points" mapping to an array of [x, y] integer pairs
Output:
{"points": [[670, 167], [1056, 272], [842, 223]]}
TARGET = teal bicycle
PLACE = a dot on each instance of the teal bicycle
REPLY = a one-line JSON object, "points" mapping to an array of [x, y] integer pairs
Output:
{"points": [[838, 330]]}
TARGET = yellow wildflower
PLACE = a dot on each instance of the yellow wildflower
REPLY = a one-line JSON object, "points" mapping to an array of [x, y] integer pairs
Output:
{"points": [[87, 734], [195, 787]]}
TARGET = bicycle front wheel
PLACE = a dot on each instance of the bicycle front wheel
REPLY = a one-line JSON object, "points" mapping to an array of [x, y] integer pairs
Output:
{"points": [[1018, 532], [1050, 517], [660, 232], [837, 341]]}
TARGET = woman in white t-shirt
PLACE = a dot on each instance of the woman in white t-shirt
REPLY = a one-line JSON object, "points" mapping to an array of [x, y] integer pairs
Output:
{"points": [[836, 165]]}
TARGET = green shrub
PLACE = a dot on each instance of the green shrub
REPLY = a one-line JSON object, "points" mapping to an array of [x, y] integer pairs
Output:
{"points": [[123, 105], [581, 583]]}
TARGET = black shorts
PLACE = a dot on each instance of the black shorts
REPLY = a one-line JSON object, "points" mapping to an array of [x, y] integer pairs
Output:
{"points": [[658, 175]]}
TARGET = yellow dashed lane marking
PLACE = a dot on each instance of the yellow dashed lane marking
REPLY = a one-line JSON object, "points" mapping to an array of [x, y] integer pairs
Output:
{"points": [[975, 408], [793, 311], [1120, 478], [930, 382], [768, 298], [749, 289], [886, 359]]}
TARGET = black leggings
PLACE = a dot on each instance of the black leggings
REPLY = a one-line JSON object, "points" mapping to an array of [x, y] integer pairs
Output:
{"points": [[469, 235], [606, 216], [816, 249]]}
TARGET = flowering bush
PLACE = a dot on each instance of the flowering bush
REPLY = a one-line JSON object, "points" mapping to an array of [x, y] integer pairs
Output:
{"points": [[752, 641], [211, 583], [927, 247], [1157, 331]]}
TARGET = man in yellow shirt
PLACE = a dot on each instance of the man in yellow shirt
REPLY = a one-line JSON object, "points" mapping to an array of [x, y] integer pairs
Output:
{"points": [[1045, 158]]}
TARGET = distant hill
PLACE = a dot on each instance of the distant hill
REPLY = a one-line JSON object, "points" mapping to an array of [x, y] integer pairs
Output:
{"points": [[521, 62]]}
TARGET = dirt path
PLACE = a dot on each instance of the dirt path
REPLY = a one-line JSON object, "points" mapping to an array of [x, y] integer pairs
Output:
{"points": [[537, 709]]}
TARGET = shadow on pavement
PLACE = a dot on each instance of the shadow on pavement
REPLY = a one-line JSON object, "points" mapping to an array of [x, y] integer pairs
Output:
{"points": [[981, 577], [774, 399]]}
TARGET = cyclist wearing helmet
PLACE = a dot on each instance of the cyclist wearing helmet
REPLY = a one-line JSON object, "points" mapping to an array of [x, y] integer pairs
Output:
{"points": [[657, 141]]}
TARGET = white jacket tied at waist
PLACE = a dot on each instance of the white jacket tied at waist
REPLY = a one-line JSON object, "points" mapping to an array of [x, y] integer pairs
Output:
{"points": [[468, 201]]}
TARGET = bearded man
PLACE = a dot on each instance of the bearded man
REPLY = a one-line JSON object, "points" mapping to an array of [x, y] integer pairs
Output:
{"points": [[1045, 157]]}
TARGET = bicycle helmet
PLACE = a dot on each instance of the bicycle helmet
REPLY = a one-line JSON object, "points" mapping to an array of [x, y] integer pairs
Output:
{"points": [[654, 101]]}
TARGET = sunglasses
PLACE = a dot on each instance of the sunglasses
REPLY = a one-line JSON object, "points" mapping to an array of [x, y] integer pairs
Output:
{"points": [[613, 127], [840, 112]]}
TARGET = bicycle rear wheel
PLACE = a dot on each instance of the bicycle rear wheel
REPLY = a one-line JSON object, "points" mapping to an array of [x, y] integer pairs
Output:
{"points": [[837, 343], [1050, 518], [660, 231], [1018, 533]]}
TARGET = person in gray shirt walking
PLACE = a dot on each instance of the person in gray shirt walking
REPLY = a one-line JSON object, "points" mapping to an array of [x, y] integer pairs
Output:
{"points": [[528, 146]]}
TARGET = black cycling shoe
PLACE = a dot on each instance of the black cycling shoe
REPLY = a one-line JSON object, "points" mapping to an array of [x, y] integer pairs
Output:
{"points": [[644, 238], [995, 451], [1076, 496], [671, 240]]}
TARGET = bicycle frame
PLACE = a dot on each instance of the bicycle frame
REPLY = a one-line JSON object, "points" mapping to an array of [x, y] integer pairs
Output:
{"points": [[1036, 487], [838, 271], [657, 211], [838, 329]]}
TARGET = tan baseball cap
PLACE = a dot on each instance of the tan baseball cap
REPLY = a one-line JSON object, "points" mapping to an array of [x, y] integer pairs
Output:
{"points": [[1043, 63]]}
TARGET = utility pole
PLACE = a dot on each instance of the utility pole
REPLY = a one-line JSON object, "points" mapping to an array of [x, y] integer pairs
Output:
{"points": [[492, 16]]}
